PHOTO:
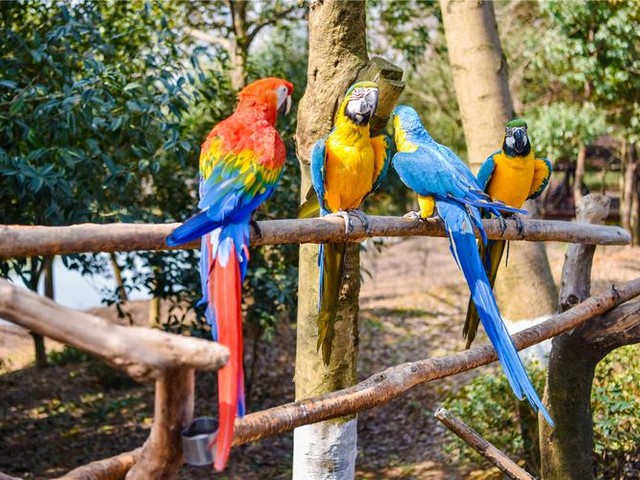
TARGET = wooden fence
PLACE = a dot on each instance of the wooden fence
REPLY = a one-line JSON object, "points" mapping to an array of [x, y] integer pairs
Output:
{"points": [[170, 360]]}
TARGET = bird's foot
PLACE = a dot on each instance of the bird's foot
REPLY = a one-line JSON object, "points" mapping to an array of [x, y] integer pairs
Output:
{"points": [[360, 215], [256, 228], [519, 226], [412, 215], [348, 226], [503, 225]]}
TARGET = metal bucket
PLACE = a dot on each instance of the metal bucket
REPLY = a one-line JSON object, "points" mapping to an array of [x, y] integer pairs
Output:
{"points": [[196, 439]]}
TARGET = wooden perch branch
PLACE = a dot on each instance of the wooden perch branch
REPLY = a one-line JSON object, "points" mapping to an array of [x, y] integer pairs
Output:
{"points": [[113, 468], [143, 353], [26, 241], [482, 446], [389, 384]]}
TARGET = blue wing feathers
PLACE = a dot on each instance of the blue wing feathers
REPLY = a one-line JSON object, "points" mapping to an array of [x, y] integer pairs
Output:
{"points": [[486, 171], [318, 170]]}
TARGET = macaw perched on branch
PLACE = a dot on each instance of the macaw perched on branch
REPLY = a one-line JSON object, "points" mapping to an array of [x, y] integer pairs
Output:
{"points": [[346, 166], [444, 183], [241, 162], [511, 175]]}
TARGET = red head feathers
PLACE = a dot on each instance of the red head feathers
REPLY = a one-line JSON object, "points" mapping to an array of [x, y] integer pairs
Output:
{"points": [[271, 93]]}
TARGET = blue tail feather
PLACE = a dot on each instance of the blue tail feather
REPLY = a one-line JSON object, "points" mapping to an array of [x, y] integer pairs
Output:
{"points": [[193, 228], [464, 248]]}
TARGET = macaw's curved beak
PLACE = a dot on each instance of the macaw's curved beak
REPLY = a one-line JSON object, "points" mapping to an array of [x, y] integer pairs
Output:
{"points": [[284, 106], [369, 103], [520, 140]]}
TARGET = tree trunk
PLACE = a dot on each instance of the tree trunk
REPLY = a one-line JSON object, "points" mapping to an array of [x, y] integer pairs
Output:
{"points": [[480, 75], [578, 181], [629, 198], [567, 449], [337, 57], [239, 43]]}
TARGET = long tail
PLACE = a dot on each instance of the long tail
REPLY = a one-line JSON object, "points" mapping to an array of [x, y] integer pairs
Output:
{"points": [[331, 262], [225, 269], [464, 249], [491, 255]]}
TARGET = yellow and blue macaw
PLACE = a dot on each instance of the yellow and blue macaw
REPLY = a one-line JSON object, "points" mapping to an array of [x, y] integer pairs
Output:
{"points": [[511, 175], [444, 183], [346, 166]]}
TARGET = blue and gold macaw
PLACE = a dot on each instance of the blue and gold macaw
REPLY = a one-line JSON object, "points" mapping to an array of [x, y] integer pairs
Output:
{"points": [[444, 183], [511, 175], [346, 166]]}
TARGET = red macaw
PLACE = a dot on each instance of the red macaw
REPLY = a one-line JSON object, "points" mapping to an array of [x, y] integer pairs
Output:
{"points": [[241, 162]]}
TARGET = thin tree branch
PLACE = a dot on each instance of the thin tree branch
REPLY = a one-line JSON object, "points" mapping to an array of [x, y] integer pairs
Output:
{"points": [[206, 37], [482, 446], [256, 27], [144, 354], [22, 241], [389, 384]]}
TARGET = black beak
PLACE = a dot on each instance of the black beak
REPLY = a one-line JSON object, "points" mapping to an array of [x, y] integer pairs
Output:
{"points": [[284, 108], [519, 137], [370, 103]]}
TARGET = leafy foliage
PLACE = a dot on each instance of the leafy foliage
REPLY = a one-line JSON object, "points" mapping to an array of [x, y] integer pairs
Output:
{"points": [[488, 405], [559, 129], [104, 106]]}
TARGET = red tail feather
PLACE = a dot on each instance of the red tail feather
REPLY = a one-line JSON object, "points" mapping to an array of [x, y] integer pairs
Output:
{"points": [[225, 293]]}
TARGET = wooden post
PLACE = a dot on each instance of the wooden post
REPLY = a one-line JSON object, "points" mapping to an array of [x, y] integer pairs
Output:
{"points": [[161, 455]]}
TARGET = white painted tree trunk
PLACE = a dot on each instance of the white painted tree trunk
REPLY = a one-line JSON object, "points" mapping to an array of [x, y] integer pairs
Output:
{"points": [[325, 451]]}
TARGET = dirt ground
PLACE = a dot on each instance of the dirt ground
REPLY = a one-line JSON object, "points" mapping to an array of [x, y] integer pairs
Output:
{"points": [[413, 302]]}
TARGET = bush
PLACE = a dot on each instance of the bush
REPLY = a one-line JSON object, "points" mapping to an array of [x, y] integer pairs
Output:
{"points": [[489, 406]]}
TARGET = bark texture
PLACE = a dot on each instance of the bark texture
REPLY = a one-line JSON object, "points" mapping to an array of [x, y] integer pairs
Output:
{"points": [[480, 75], [567, 450], [27, 241]]}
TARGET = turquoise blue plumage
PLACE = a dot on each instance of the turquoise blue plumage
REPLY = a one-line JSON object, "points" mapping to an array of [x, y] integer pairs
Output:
{"points": [[444, 183]]}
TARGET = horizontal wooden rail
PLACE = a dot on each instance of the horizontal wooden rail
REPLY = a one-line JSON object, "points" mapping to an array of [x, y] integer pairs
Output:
{"points": [[389, 384], [24, 241], [143, 353]]}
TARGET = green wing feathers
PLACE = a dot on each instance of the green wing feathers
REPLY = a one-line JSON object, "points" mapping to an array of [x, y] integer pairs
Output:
{"points": [[311, 207], [492, 256], [332, 271]]}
